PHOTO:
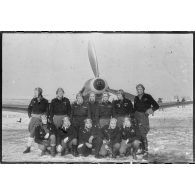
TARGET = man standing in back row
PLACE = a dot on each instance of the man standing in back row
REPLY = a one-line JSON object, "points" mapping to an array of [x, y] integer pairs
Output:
{"points": [[92, 108], [79, 113], [104, 111], [59, 108], [37, 107], [144, 105], [122, 107]]}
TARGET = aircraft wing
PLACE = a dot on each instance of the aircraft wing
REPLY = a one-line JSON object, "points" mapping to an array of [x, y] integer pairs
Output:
{"points": [[173, 104], [24, 108], [15, 107], [127, 95], [162, 105]]}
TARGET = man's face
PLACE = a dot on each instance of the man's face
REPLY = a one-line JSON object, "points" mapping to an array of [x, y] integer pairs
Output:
{"points": [[92, 97], [88, 125], [119, 96], [36, 93], [112, 124], [127, 123], [105, 97], [60, 93], [44, 120], [79, 100], [140, 90]]}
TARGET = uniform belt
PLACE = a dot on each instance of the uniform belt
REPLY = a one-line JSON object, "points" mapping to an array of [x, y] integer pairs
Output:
{"points": [[105, 117], [59, 115], [140, 112], [121, 115], [77, 116]]}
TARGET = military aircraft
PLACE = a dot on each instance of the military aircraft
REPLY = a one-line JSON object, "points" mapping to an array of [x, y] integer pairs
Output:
{"points": [[97, 85]]}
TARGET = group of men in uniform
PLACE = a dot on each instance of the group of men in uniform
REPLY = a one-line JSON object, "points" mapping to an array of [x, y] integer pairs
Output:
{"points": [[103, 128]]}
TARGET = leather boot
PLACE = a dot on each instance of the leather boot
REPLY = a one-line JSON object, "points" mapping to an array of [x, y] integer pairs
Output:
{"points": [[145, 149], [98, 156], [145, 143], [145, 157], [43, 153], [142, 146], [53, 151], [114, 154], [74, 151], [27, 150], [134, 156], [63, 152]]}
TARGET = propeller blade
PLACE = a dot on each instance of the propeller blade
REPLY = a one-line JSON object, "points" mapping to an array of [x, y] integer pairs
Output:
{"points": [[127, 95], [93, 59]]}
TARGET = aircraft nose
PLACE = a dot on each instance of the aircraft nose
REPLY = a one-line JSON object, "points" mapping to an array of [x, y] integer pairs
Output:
{"points": [[99, 84]]}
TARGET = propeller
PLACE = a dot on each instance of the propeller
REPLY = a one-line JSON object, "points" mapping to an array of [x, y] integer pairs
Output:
{"points": [[127, 95], [93, 59]]}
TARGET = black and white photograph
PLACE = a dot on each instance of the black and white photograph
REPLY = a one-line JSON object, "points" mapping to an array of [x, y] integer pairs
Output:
{"points": [[97, 97]]}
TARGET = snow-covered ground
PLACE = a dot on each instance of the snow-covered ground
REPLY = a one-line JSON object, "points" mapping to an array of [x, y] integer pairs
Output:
{"points": [[170, 139]]}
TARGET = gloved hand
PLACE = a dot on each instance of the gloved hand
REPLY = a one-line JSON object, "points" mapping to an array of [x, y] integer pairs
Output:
{"points": [[106, 147], [66, 140], [91, 139], [59, 148], [80, 145], [98, 125], [88, 145], [149, 111], [127, 141], [104, 141], [46, 136]]}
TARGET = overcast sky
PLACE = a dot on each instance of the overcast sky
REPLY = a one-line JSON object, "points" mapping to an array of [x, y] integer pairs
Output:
{"points": [[162, 62]]}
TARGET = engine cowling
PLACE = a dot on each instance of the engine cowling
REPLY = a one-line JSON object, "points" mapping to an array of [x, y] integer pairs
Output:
{"points": [[98, 85]]}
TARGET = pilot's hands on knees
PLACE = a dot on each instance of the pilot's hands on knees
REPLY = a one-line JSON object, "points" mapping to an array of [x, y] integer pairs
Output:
{"points": [[49, 121], [98, 125], [80, 145], [88, 145], [59, 148], [66, 140], [149, 111], [91, 139], [127, 141], [46, 136], [104, 141]]}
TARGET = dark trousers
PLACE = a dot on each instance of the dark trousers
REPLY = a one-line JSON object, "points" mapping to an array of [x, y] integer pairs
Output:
{"points": [[143, 129], [34, 122], [51, 142], [69, 144], [113, 149], [78, 122], [96, 144], [134, 145]]}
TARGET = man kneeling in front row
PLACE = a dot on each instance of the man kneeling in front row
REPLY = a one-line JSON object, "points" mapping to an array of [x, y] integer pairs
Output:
{"points": [[45, 137], [111, 139], [89, 139], [130, 141], [67, 138]]}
